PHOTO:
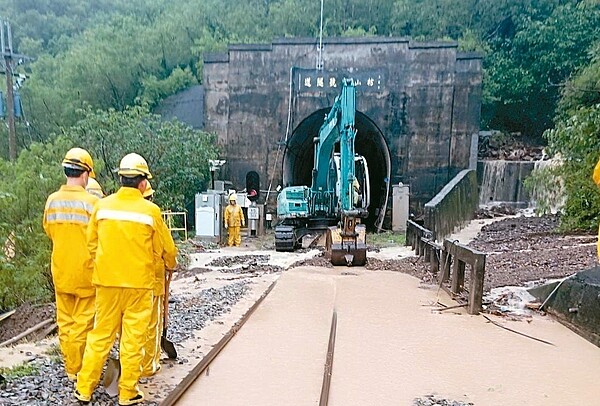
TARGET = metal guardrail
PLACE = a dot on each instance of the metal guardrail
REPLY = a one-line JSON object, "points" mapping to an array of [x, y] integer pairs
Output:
{"points": [[449, 261], [169, 218]]}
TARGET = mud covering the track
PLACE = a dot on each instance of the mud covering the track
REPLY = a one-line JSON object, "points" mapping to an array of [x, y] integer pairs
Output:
{"points": [[249, 260], [433, 400]]}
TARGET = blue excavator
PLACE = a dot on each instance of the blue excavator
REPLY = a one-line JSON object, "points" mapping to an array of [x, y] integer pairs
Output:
{"points": [[338, 197]]}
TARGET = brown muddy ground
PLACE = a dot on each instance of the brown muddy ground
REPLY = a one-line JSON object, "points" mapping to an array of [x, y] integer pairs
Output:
{"points": [[25, 317], [520, 249], [523, 249]]}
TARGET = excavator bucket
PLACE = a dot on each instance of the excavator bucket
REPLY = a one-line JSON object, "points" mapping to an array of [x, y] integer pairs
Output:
{"points": [[347, 250]]}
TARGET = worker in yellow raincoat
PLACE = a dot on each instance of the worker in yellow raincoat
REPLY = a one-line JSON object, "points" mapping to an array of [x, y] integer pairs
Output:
{"points": [[234, 220], [151, 360], [596, 177], [124, 235], [94, 188], [65, 221]]}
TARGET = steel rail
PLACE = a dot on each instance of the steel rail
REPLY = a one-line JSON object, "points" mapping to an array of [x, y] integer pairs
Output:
{"points": [[180, 389], [329, 362]]}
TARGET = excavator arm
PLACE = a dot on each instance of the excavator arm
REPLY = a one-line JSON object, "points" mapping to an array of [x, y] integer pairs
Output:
{"points": [[331, 196]]}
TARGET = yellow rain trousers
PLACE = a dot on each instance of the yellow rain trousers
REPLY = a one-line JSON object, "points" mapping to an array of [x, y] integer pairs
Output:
{"points": [[66, 216], [117, 309], [151, 360], [75, 319], [125, 235], [234, 218]]}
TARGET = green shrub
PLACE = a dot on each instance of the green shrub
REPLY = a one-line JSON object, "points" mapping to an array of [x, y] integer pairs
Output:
{"points": [[577, 140], [25, 255]]}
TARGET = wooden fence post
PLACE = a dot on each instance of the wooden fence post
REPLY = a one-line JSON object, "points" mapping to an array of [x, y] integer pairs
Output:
{"points": [[458, 276], [476, 286], [445, 267], [434, 260]]}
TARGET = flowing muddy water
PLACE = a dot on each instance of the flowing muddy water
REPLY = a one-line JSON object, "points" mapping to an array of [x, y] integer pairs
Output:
{"points": [[391, 348]]}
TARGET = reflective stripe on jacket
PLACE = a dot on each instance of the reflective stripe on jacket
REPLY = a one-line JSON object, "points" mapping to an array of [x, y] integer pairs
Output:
{"points": [[66, 217], [124, 237], [234, 216]]}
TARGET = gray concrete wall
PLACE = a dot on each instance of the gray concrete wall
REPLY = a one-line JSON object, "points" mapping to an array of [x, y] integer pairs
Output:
{"points": [[453, 206], [425, 99], [186, 106]]}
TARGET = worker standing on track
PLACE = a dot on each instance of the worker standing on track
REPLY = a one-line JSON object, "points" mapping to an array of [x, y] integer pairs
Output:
{"points": [[123, 236], [151, 359], [234, 220], [94, 188], [66, 217]]}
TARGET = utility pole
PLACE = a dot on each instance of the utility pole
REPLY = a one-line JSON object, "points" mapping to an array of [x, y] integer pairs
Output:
{"points": [[7, 54], [320, 51]]}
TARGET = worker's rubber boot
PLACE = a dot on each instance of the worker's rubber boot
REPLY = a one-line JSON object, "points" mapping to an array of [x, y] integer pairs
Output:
{"points": [[139, 398], [81, 398]]}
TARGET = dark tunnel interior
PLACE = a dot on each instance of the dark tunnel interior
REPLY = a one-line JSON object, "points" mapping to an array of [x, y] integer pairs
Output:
{"points": [[369, 142]]}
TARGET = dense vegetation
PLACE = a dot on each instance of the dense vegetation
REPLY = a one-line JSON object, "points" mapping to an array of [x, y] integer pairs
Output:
{"points": [[101, 66]]}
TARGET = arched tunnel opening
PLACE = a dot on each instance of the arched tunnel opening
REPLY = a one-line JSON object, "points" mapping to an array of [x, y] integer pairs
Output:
{"points": [[369, 142]]}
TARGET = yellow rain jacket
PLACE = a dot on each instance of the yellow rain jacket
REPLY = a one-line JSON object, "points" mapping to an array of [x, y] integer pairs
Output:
{"points": [[596, 175], [234, 216], [66, 218], [167, 251], [135, 225]]}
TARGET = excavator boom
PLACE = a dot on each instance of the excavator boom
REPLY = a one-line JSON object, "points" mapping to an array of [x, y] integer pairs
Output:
{"points": [[332, 197]]}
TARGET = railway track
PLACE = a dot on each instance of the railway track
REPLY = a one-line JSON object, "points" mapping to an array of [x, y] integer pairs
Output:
{"points": [[175, 396], [189, 380]]}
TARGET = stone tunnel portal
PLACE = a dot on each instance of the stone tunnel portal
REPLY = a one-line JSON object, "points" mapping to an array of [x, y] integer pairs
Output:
{"points": [[369, 142]]}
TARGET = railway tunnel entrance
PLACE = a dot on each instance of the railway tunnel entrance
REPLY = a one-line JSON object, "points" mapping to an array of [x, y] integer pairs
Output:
{"points": [[369, 142]]}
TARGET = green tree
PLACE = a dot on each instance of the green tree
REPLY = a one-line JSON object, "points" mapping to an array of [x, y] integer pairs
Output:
{"points": [[577, 139], [177, 155], [524, 72], [25, 254], [583, 89]]}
